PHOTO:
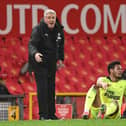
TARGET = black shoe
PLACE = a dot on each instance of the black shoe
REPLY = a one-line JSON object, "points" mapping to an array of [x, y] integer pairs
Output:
{"points": [[54, 117], [85, 117], [43, 118]]}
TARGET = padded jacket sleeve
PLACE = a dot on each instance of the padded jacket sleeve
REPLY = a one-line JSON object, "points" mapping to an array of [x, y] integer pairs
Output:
{"points": [[34, 42], [61, 47]]}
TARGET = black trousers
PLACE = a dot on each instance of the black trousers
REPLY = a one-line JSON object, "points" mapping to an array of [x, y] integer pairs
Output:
{"points": [[45, 80]]}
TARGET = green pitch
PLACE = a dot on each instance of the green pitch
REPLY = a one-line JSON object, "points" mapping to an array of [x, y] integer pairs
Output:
{"points": [[73, 122]]}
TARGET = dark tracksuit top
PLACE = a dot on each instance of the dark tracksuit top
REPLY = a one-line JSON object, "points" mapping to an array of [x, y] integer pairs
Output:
{"points": [[51, 44]]}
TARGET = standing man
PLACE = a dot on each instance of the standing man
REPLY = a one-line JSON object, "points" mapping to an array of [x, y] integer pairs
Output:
{"points": [[46, 47]]}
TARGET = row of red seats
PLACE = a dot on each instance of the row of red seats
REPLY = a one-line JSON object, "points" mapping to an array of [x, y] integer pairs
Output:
{"points": [[83, 57], [85, 60]]}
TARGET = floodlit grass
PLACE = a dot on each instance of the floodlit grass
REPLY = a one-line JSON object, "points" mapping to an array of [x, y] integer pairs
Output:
{"points": [[73, 122]]}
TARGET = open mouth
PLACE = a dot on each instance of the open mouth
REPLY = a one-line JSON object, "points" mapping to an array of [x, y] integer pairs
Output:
{"points": [[51, 23]]}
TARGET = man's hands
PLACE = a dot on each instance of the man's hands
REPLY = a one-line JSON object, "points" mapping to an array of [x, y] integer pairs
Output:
{"points": [[38, 57], [103, 85]]}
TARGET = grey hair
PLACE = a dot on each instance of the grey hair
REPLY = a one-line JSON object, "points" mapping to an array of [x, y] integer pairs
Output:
{"points": [[49, 11]]}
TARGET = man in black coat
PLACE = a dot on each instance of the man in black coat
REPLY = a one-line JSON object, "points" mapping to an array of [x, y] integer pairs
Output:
{"points": [[46, 47]]}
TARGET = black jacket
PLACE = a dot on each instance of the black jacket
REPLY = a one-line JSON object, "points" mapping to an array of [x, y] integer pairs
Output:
{"points": [[48, 42]]}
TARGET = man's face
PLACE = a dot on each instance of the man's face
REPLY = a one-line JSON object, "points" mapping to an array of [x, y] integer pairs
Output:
{"points": [[117, 71], [50, 20]]}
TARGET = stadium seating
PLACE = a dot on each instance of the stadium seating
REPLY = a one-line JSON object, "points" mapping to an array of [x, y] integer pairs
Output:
{"points": [[86, 58]]}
